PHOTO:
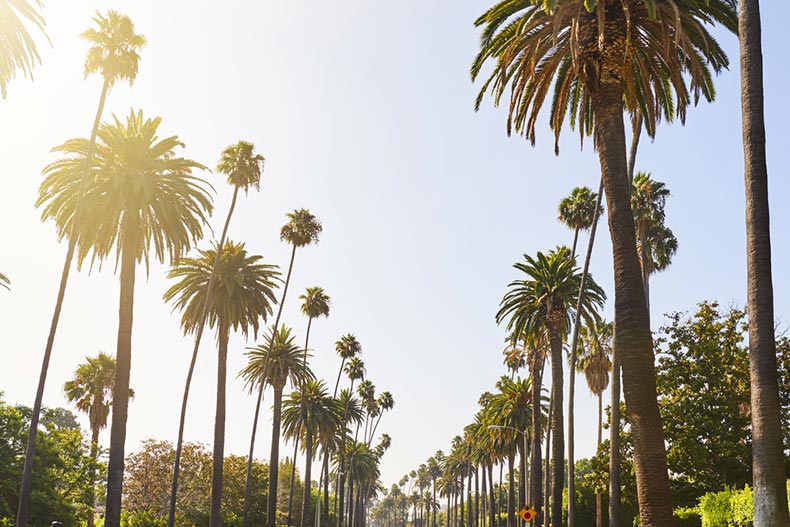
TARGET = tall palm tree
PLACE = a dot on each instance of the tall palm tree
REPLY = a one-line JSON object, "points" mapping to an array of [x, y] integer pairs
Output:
{"points": [[143, 202], [243, 168], [242, 291], [18, 51], [315, 303], [538, 350], [310, 414], [274, 363], [596, 364], [301, 230], [576, 211], [355, 370], [114, 53], [543, 302], [770, 498], [385, 403], [91, 391], [651, 58]]}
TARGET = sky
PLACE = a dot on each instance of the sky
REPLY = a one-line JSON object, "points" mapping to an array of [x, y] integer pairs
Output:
{"points": [[364, 111]]}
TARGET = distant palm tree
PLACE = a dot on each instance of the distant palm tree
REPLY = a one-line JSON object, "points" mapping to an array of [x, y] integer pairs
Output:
{"points": [[315, 303], [301, 230], [544, 302], [577, 211], [113, 54], [650, 58], [310, 414], [91, 391], [595, 362], [143, 201], [242, 291], [385, 403], [355, 369], [18, 50], [278, 360], [243, 168], [768, 461]]}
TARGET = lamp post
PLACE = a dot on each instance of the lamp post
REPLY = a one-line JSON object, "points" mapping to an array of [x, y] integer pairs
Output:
{"points": [[523, 452]]}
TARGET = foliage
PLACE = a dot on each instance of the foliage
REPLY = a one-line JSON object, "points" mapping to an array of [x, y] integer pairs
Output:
{"points": [[728, 508]]}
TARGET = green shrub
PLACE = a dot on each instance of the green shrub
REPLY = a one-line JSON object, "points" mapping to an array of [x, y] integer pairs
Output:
{"points": [[742, 504], [715, 509], [687, 517]]}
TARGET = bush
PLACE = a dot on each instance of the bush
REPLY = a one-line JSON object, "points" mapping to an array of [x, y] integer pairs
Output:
{"points": [[715, 509], [687, 517]]}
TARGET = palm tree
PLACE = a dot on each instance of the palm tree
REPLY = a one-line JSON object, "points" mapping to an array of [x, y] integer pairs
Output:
{"points": [[770, 493], [604, 58], [355, 369], [243, 168], [301, 230], [538, 349], [315, 303], [18, 51], [654, 241], [91, 391], [113, 54], [275, 363], [310, 414], [143, 202], [595, 363], [385, 403], [543, 302], [242, 290], [577, 211], [5, 282]]}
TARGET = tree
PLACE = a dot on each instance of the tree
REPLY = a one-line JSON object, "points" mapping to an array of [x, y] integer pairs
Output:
{"points": [[543, 302], [274, 363], [141, 195], [596, 364], [650, 58], [301, 230], [385, 403], [770, 493], [91, 391], [315, 303], [243, 295], [577, 211], [310, 414], [243, 168], [18, 51], [113, 54]]}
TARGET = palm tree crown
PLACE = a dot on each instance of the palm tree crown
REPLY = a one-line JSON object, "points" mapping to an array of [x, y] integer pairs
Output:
{"points": [[315, 302], [312, 410], [18, 50], [141, 194], [595, 360], [577, 210], [648, 49], [285, 362], [91, 388], [242, 165], [302, 228], [244, 289], [114, 48], [348, 347]]}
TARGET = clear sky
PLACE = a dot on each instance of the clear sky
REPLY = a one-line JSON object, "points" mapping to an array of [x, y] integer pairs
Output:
{"points": [[364, 111]]}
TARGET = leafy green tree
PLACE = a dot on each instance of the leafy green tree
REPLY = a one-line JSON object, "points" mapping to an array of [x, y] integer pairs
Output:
{"points": [[770, 492], [113, 54], [301, 230], [543, 301], [604, 58], [243, 168], [18, 51], [144, 201], [274, 363], [243, 296], [577, 212], [91, 391]]}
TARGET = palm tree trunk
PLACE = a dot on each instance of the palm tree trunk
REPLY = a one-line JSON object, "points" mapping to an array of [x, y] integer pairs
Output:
{"points": [[536, 473], [615, 492], [308, 447], [248, 483], [634, 146], [547, 473], [632, 323], [171, 517], [274, 457], [23, 509], [574, 344], [340, 483], [477, 496], [484, 497], [598, 503], [301, 421], [522, 476], [326, 488], [575, 241], [511, 491], [91, 497], [350, 507], [770, 493], [120, 392], [462, 520], [491, 505], [557, 426], [215, 517]]}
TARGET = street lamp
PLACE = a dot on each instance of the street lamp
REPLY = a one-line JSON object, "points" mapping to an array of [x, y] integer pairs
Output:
{"points": [[523, 452]]}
